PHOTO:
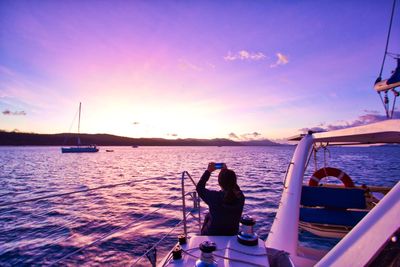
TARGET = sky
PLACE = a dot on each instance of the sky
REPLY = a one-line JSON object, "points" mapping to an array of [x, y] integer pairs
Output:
{"points": [[192, 69]]}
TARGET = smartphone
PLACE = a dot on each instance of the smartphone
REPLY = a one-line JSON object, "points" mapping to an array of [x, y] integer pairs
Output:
{"points": [[219, 165]]}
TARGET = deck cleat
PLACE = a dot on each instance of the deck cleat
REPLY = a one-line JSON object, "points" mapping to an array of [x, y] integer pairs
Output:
{"points": [[177, 252], [182, 239]]}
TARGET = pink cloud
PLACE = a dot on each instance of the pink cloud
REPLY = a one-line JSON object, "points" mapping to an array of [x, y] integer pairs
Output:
{"points": [[282, 60], [370, 117], [245, 55]]}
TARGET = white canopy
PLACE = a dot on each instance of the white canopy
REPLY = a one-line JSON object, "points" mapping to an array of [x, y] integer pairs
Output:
{"points": [[387, 131]]}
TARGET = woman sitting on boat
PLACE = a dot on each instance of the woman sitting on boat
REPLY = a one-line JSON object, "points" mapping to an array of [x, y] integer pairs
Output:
{"points": [[225, 206]]}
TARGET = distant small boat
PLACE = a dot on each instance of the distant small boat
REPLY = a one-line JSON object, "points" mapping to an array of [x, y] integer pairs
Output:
{"points": [[135, 146], [109, 150], [79, 148]]}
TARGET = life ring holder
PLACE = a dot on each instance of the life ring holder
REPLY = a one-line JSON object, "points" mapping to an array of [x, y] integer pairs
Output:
{"points": [[329, 171]]}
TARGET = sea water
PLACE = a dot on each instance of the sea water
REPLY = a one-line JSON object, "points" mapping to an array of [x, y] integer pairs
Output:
{"points": [[113, 226]]}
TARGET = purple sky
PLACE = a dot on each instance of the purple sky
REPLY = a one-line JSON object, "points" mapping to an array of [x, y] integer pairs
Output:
{"points": [[202, 69]]}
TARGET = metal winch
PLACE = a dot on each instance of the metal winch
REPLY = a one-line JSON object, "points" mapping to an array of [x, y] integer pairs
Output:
{"points": [[206, 257], [246, 235]]}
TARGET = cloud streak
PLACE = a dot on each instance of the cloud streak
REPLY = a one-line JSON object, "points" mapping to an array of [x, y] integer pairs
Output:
{"points": [[14, 113], [186, 65], [370, 117], [245, 55], [233, 136], [282, 60], [250, 136], [245, 136]]}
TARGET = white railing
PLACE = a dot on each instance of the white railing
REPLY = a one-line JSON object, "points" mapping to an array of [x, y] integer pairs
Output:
{"points": [[196, 203]]}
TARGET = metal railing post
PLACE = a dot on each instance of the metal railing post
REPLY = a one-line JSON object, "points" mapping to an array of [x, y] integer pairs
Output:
{"points": [[199, 213], [184, 204], [195, 203]]}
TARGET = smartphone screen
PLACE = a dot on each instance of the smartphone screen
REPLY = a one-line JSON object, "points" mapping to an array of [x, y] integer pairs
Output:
{"points": [[218, 165]]}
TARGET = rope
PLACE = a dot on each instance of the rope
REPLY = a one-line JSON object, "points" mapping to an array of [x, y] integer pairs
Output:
{"points": [[74, 192], [384, 104], [249, 254], [394, 104], [393, 55], [326, 150], [237, 260], [387, 39], [167, 259], [315, 149]]}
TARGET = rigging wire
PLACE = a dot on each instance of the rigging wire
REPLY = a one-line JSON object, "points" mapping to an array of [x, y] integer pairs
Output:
{"points": [[387, 42], [70, 127], [58, 228], [396, 94], [157, 243], [30, 217], [12, 210], [110, 234], [385, 100], [104, 226], [113, 229], [55, 231], [74, 192]]}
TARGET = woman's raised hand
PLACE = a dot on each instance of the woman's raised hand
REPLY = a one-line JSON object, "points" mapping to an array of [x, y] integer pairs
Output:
{"points": [[211, 167]]}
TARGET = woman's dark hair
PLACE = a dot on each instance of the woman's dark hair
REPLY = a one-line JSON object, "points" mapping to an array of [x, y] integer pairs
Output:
{"points": [[228, 182]]}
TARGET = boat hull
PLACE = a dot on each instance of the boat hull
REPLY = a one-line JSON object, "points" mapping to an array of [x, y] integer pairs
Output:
{"points": [[79, 149], [324, 230]]}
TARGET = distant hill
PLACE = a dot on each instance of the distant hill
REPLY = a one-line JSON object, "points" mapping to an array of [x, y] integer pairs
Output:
{"points": [[68, 139]]}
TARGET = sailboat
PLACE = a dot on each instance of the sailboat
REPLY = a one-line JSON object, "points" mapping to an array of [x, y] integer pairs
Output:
{"points": [[79, 148]]}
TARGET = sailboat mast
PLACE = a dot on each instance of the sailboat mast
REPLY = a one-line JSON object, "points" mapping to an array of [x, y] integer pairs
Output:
{"points": [[79, 124], [79, 119]]}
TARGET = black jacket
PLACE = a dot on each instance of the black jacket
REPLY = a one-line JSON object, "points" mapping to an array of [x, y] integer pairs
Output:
{"points": [[223, 219]]}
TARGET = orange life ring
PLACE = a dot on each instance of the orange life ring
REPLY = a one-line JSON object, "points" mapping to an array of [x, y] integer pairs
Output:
{"points": [[329, 171]]}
